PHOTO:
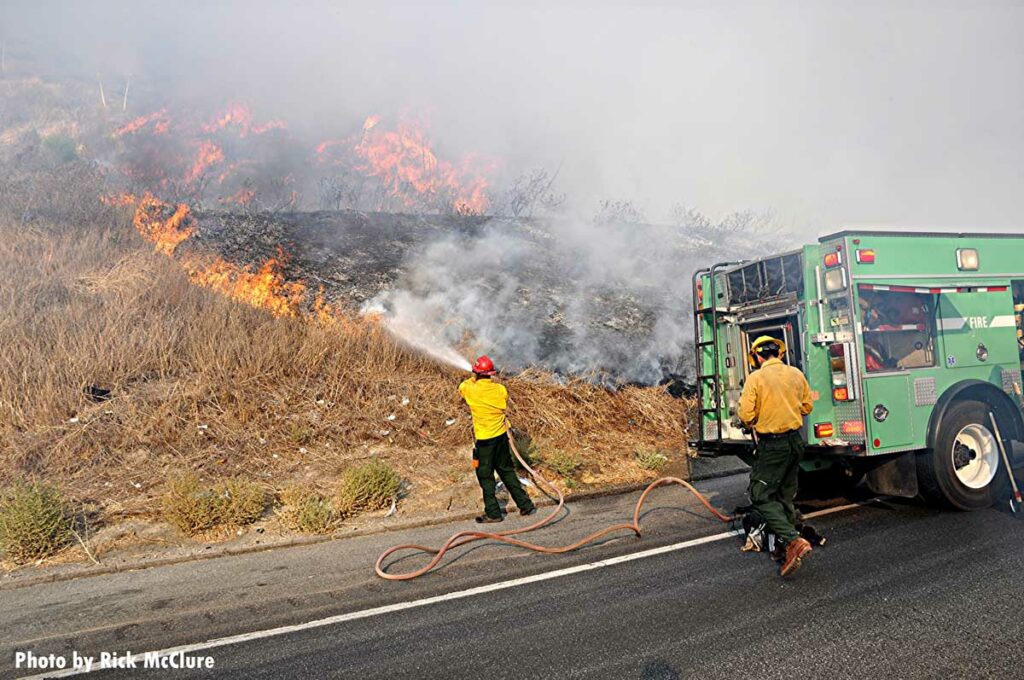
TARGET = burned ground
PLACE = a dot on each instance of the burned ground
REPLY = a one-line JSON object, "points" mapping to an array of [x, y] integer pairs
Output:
{"points": [[547, 293]]}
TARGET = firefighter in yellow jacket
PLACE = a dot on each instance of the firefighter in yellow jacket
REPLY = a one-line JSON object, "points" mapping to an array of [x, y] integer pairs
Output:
{"points": [[487, 402], [775, 399]]}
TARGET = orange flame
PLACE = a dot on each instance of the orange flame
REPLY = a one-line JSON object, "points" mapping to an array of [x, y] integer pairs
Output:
{"points": [[405, 162], [240, 117], [264, 288], [244, 196], [209, 154], [119, 200], [165, 233], [161, 123]]}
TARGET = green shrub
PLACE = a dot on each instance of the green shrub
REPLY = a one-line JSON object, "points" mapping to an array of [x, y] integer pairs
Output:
{"points": [[650, 458], [35, 522], [61, 148], [189, 505], [194, 508], [242, 502], [369, 486], [307, 511], [300, 433], [565, 464], [527, 448]]}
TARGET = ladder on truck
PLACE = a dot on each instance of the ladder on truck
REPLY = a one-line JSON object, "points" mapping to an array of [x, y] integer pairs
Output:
{"points": [[712, 380]]}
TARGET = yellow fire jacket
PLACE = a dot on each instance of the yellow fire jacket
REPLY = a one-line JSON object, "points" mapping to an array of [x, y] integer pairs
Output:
{"points": [[775, 398], [487, 402]]}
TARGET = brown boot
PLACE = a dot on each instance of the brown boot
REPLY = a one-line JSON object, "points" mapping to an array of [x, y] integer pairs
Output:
{"points": [[796, 551]]}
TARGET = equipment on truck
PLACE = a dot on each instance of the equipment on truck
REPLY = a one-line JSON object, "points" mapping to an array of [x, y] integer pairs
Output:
{"points": [[1016, 499], [908, 340]]}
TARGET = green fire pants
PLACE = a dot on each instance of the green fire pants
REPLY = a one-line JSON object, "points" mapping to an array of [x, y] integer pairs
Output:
{"points": [[773, 482], [494, 455]]}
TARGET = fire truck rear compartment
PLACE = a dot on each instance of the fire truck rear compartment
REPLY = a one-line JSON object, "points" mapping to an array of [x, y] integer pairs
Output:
{"points": [[782, 329]]}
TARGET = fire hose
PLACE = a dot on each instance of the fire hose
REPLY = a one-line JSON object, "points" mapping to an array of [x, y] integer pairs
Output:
{"points": [[463, 537]]}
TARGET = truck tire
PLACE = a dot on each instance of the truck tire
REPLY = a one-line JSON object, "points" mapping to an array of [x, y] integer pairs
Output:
{"points": [[964, 470]]}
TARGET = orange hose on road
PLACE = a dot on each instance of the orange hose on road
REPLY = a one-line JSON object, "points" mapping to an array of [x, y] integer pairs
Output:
{"points": [[464, 537]]}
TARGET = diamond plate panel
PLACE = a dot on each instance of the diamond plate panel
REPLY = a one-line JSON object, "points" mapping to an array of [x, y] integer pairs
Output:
{"points": [[850, 410], [925, 393], [1009, 378]]}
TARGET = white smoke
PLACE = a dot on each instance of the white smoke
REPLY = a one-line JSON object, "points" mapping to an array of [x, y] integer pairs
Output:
{"points": [[611, 302]]}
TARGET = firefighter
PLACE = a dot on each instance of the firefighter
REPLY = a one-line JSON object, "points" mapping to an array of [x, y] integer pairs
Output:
{"points": [[487, 401], [775, 399]]}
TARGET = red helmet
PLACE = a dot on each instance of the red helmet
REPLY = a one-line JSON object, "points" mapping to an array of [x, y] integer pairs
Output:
{"points": [[484, 366]]}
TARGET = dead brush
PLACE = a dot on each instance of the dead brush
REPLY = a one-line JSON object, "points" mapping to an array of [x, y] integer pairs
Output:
{"points": [[193, 507], [35, 522], [370, 486]]}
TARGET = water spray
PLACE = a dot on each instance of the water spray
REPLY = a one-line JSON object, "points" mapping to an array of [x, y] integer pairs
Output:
{"points": [[415, 332]]}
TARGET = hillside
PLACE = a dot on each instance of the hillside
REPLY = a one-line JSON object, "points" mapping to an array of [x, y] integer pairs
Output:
{"points": [[150, 340]]}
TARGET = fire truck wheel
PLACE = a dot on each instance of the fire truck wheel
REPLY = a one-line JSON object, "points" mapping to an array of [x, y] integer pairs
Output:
{"points": [[964, 470]]}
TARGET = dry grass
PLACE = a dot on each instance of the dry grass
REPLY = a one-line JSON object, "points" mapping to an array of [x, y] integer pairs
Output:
{"points": [[203, 384]]}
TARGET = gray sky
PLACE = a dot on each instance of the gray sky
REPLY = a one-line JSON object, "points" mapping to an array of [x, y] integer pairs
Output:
{"points": [[828, 114]]}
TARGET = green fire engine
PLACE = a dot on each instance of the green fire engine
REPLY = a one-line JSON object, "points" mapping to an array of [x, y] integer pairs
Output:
{"points": [[911, 343]]}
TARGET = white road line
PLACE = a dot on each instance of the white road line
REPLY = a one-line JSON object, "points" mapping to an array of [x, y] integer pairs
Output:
{"points": [[457, 595]]}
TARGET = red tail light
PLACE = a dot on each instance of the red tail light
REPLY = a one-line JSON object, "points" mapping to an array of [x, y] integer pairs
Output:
{"points": [[841, 394], [833, 259], [852, 427], [865, 256], [823, 430]]}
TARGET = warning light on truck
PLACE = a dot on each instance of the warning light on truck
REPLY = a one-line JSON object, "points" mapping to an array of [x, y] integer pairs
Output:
{"points": [[823, 430], [967, 259], [835, 280], [852, 427], [865, 256]]}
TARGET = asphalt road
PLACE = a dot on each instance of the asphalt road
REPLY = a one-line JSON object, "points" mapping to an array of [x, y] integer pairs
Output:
{"points": [[900, 590]]}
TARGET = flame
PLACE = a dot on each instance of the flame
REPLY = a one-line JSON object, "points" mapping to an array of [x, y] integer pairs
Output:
{"points": [[161, 124], [406, 171], [405, 162], [166, 234], [265, 287], [243, 196], [119, 200], [240, 117], [209, 154]]}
